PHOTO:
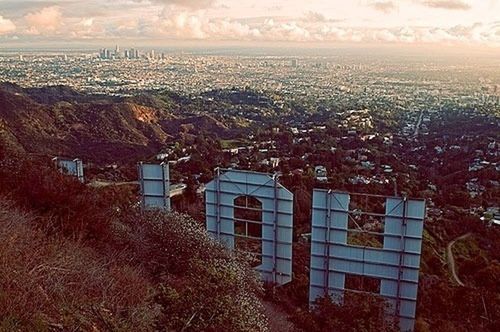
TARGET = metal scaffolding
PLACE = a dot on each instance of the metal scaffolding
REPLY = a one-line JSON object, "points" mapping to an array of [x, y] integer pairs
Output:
{"points": [[73, 167], [154, 180], [277, 217], [396, 265]]}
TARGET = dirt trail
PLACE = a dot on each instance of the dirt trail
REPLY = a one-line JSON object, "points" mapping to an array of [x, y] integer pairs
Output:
{"points": [[451, 259], [278, 319], [100, 184]]}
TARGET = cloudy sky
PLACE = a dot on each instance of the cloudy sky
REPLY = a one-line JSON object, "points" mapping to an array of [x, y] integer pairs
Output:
{"points": [[440, 22]]}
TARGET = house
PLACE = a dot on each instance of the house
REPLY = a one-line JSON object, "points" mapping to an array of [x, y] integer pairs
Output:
{"points": [[162, 156], [367, 165], [274, 162], [387, 168], [492, 216], [320, 173]]}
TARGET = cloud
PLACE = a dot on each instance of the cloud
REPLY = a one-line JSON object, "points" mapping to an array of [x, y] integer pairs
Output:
{"points": [[183, 24], [6, 26], [314, 28], [195, 20], [385, 36], [85, 29], [49, 19], [232, 29], [447, 4], [315, 17], [87, 22], [383, 6], [191, 4]]}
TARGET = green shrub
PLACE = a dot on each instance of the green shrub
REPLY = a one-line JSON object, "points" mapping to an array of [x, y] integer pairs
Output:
{"points": [[204, 287]]}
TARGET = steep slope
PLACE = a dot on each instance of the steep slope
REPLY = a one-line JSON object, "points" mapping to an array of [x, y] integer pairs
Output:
{"points": [[26, 124], [78, 258], [102, 131], [59, 121], [195, 124]]}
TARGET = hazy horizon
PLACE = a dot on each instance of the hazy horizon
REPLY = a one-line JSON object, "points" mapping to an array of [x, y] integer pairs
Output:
{"points": [[267, 48], [456, 25]]}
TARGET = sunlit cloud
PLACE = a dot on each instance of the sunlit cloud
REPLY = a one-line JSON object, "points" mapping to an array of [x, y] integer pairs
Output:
{"points": [[383, 6], [49, 19], [198, 26], [364, 21], [447, 4], [6, 26], [189, 3]]}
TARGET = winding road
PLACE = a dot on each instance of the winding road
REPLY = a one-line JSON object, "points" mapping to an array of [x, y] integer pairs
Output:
{"points": [[419, 123], [451, 260]]}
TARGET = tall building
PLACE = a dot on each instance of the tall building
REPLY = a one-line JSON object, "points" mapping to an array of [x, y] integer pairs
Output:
{"points": [[105, 53]]}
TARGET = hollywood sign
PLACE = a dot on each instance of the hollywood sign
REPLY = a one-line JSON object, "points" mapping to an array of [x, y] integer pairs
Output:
{"points": [[253, 212]]}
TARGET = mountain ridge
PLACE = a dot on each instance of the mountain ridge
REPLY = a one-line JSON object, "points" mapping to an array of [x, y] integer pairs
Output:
{"points": [[43, 121]]}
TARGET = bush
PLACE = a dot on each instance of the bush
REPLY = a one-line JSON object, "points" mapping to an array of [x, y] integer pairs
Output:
{"points": [[358, 313], [65, 204], [204, 287], [57, 283], [174, 278], [86, 259]]}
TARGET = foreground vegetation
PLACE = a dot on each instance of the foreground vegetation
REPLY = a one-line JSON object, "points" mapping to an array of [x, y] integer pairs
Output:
{"points": [[81, 259]]}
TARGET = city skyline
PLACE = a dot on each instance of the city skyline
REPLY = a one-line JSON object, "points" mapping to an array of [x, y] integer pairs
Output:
{"points": [[158, 22]]}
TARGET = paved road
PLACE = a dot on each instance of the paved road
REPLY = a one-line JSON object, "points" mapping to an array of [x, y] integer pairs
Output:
{"points": [[451, 259], [175, 189], [99, 184]]}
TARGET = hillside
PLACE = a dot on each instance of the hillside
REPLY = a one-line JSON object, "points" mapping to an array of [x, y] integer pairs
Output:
{"points": [[59, 121], [76, 258], [460, 257]]}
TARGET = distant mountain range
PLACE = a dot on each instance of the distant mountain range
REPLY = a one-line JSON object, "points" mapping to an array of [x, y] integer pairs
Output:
{"points": [[59, 121]]}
